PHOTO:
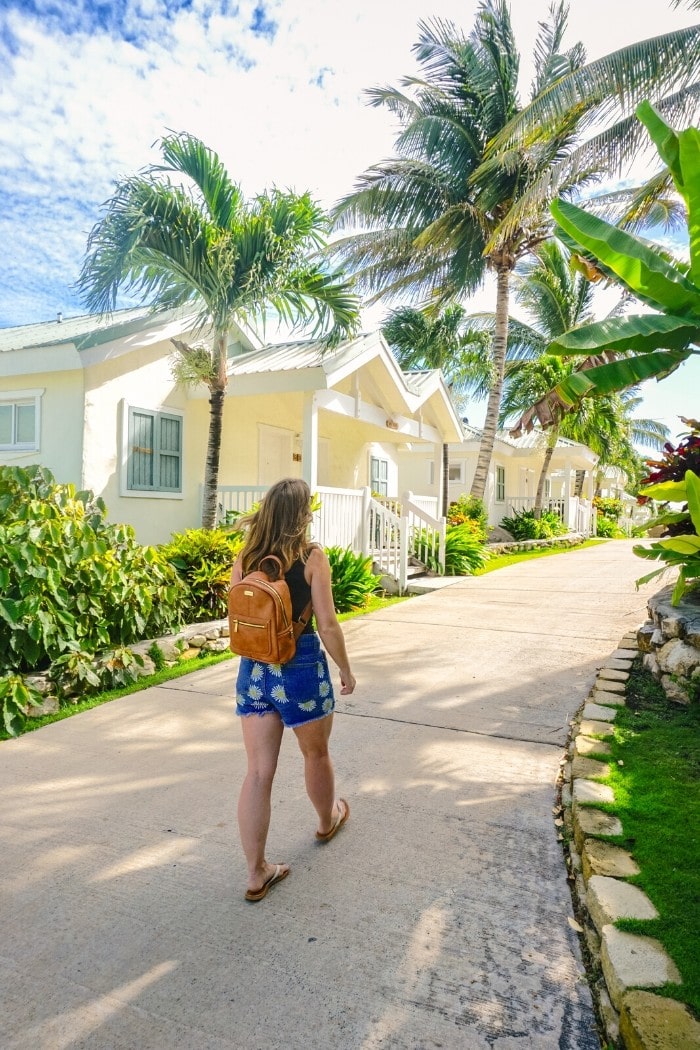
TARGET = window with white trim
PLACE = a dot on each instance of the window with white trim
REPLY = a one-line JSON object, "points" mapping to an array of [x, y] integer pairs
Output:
{"points": [[19, 420], [456, 472], [154, 451], [500, 484]]}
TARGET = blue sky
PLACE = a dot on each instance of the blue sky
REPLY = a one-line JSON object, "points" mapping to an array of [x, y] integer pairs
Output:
{"points": [[276, 87]]}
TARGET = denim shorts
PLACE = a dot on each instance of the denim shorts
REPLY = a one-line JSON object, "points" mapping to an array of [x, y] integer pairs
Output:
{"points": [[299, 691]]}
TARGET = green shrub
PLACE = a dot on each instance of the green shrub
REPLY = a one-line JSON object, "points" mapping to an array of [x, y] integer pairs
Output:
{"points": [[68, 579], [70, 583], [464, 551], [156, 654], [608, 507], [469, 509], [15, 697], [352, 579], [203, 559], [608, 528], [523, 525]]}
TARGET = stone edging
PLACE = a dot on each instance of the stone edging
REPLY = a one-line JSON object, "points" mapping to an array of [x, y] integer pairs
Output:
{"points": [[186, 644], [599, 870], [570, 539]]}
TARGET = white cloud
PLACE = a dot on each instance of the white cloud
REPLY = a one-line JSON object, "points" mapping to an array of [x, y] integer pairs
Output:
{"points": [[81, 105]]}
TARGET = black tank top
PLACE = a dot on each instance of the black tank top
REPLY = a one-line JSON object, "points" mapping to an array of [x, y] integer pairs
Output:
{"points": [[300, 592]]}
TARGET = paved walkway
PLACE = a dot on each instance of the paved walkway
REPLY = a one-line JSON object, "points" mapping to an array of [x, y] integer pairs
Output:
{"points": [[436, 919]]}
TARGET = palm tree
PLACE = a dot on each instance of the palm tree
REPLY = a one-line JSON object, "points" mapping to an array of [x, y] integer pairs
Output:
{"points": [[469, 188], [557, 297], [423, 339], [204, 246]]}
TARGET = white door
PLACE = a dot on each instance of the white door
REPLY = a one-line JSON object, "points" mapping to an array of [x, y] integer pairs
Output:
{"points": [[275, 458]]}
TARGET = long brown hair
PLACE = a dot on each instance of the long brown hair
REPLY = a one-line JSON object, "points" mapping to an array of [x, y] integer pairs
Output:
{"points": [[278, 526]]}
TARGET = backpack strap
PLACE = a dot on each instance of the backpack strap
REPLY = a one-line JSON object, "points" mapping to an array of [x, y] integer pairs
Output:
{"points": [[299, 625]]}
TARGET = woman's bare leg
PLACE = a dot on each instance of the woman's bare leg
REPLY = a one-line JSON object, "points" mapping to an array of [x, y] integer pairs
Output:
{"points": [[262, 736], [319, 775]]}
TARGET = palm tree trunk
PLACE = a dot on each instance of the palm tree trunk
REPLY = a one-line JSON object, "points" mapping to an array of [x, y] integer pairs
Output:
{"points": [[500, 340], [549, 452], [211, 468], [216, 420], [445, 478], [580, 478]]}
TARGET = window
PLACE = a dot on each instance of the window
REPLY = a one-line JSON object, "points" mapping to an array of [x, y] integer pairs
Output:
{"points": [[500, 484], [455, 472], [379, 476], [19, 420], [154, 451]]}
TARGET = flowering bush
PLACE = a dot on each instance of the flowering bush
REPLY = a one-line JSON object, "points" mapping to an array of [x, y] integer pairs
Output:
{"points": [[681, 551], [469, 510], [672, 466]]}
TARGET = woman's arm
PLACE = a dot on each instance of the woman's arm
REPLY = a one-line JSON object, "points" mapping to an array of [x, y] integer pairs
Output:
{"points": [[317, 573]]}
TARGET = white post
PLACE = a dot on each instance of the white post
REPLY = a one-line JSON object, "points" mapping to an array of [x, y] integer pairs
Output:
{"points": [[365, 537], [309, 447], [403, 554], [437, 469], [567, 494]]}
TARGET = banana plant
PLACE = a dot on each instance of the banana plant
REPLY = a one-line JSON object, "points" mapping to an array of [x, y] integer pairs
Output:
{"points": [[681, 552], [622, 351]]}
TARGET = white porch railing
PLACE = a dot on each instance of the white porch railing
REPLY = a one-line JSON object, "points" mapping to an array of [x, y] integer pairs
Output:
{"points": [[426, 532], [391, 530], [517, 504], [387, 538], [418, 533], [232, 500], [576, 513], [342, 519]]}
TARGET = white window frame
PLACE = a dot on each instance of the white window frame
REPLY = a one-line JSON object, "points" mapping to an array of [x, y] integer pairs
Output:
{"points": [[124, 490], [24, 397], [457, 466], [500, 484]]}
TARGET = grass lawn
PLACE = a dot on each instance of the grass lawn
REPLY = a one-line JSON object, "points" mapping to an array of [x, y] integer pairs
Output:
{"points": [[657, 798], [500, 561]]}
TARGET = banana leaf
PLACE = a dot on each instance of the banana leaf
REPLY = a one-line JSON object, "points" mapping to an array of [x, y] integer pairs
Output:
{"points": [[641, 270], [680, 151], [692, 482], [639, 332], [666, 491], [686, 545], [620, 374]]}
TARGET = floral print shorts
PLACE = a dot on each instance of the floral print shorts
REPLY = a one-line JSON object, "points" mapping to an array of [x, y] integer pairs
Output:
{"points": [[299, 691]]}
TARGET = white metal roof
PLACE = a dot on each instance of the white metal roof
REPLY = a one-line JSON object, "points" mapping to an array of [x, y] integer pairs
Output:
{"points": [[68, 330]]}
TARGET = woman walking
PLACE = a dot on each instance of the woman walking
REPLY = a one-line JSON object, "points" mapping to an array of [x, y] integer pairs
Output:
{"points": [[298, 694]]}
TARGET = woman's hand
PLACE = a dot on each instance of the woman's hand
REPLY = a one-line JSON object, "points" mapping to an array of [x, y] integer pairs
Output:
{"points": [[347, 682]]}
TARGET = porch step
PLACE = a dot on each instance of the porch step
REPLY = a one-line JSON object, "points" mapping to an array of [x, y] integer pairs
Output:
{"points": [[389, 568]]}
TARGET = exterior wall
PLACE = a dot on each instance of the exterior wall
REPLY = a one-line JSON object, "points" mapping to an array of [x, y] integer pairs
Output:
{"points": [[240, 446], [346, 445], [143, 380], [61, 417]]}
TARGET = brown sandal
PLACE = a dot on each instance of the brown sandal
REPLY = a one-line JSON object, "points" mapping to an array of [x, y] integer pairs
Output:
{"points": [[343, 814], [278, 874]]}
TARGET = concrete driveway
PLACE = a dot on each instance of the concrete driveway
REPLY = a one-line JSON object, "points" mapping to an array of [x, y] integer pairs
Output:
{"points": [[436, 919]]}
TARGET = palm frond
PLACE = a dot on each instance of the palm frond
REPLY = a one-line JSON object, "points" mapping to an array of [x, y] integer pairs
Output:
{"points": [[187, 155], [611, 86]]}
